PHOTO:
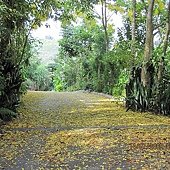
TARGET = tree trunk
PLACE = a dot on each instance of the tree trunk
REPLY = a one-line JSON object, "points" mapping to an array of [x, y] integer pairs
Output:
{"points": [[165, 45], [145, 75], [167, 30], [133, 33], [104, 23]]}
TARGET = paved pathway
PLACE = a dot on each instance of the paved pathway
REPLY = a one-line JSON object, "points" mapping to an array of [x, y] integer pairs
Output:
{"points": [[80, 130]]}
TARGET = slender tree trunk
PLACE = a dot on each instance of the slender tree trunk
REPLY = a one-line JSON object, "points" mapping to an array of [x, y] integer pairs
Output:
{"points": [[167, 30], [133, 33], [165, 45], [104, 23], [99, 77], [145, 75]]}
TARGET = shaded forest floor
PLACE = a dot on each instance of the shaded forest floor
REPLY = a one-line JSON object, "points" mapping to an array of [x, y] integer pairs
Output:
{"points": [[79, 130]]}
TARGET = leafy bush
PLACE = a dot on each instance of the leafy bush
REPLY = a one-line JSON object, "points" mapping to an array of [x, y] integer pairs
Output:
{"points": [[6, 114], [37, 75], [119, 88]]}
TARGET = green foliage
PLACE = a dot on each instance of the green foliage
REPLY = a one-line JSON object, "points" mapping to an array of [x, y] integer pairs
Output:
{"points": [[38, 75], [6, 114], [119, 87], [58, 85], [17, 18], [155, 99], [68, 10], [2, 84], [84, 64]]}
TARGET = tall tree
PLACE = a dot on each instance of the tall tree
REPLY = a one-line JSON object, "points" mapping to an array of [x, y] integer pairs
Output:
{"points": [[105, 22], [167, 30], [133, 31], [145, 75], [165, 44], [17, 18]]}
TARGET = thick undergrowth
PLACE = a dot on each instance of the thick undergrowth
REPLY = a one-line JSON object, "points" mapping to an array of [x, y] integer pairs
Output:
{"points": [[155, 99]]}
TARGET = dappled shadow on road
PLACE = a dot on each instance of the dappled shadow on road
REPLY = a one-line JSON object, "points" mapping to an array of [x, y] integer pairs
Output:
{"points": [[83, 131]]}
